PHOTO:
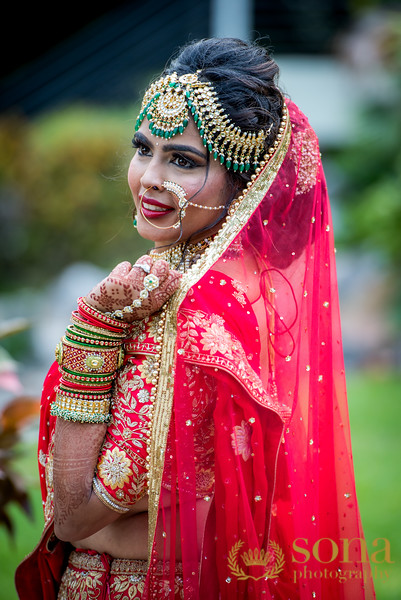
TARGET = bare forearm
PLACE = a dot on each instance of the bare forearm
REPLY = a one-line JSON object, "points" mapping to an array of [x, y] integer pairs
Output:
{"points": [[77, 511]]}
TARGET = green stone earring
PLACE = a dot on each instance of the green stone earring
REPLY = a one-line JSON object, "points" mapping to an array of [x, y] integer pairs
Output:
{"points": [[135, 222]]}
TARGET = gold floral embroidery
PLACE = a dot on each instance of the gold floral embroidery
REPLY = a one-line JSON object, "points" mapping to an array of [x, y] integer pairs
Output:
{"points": [[136, 382], [128, 587], [240, 292], [310, 157], [204, 481], [129, 431], [147, 369], [241, 440], [131, 587], [138, 328], [143, 396], [217, 339], [114, 468], [84, 585], [42, 458], [153, 326], [224, 351], [86, 578], [146, 328]]}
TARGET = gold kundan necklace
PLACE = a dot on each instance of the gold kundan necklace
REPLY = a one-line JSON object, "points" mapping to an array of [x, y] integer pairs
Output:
{"points": [[182, 256]]}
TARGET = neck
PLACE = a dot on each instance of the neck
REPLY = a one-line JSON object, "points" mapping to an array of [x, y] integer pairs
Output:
{"points": [[182, 256]]}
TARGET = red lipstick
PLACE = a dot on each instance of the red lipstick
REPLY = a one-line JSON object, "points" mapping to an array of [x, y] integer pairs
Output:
{"points": [[152, 209]]}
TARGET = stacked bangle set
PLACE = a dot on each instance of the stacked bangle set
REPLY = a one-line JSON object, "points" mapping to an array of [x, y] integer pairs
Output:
{"points": [[89, 355]]}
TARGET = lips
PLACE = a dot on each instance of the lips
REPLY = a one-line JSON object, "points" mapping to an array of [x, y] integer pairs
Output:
{"points": [[152, 209]]}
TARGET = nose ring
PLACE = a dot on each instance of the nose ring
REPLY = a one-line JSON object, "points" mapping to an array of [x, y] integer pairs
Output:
{"points": [[179, 192], [140, 198]]}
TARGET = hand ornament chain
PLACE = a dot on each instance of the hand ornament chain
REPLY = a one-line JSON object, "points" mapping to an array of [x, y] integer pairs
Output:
{"points": [[133, 292], [151, 282]]}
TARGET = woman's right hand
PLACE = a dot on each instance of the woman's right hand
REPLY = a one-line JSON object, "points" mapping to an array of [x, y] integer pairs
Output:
{"points": [[126, 281]]}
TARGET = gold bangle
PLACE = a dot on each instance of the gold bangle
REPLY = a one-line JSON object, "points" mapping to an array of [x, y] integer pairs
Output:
{"points": [[102, 332], [83, 411], [106, 499], [89, 341], [84, 359]]}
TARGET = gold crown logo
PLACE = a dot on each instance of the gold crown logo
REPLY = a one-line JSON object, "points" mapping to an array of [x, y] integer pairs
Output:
{"points": [[257, 557], [272, 560]]}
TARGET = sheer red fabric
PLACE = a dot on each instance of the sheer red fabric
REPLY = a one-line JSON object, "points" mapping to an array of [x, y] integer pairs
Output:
{"points": [[252, 374]]}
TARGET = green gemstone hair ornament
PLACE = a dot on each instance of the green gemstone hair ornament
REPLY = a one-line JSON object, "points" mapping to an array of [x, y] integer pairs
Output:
{"points": [[170, 101]]}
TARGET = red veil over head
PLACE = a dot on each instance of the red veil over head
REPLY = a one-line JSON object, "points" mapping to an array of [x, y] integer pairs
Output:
{"points": [[251, 483]]}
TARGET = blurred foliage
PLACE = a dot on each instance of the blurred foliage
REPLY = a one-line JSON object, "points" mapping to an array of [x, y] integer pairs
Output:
{"points": [[19, 411], [371, 193], [64, 195], [372, 165], [13, 490]]}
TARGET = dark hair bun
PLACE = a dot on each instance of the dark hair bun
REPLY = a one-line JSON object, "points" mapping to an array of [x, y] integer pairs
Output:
{"points": [[244, 77]]}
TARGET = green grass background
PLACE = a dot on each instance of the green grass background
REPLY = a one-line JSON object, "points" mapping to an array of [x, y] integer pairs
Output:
{"points": [[375, 415]]}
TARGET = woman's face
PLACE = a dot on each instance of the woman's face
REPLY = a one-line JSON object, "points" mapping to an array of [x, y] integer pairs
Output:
{"points": [[182, 159]]}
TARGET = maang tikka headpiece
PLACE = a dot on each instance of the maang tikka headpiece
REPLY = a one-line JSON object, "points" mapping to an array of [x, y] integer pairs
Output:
{"points": [[170, 100]]}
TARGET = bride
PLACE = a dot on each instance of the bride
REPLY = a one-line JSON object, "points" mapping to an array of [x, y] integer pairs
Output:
{"points": [[194, 433]]}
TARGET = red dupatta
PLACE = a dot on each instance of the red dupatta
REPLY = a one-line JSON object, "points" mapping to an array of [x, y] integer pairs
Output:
{"points": [[252, 375]]}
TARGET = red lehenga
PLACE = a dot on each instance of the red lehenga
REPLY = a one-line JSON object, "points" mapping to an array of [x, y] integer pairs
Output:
{"points": [[250, 475]]}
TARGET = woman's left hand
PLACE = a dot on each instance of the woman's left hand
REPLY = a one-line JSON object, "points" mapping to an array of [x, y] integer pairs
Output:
{"points": [[126, 282]]}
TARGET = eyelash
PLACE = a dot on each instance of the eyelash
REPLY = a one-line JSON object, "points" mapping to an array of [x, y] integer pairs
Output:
{"points": [[190, 164], [138, 145]]}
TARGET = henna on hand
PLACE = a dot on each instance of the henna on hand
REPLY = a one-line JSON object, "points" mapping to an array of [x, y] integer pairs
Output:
{"points": [[124, 284]]}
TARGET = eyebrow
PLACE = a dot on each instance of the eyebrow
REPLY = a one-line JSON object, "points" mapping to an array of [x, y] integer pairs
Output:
{"points": [[170, 147]]}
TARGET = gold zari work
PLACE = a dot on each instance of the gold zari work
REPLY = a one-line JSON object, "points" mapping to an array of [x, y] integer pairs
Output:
{"points": [[87, 575]]}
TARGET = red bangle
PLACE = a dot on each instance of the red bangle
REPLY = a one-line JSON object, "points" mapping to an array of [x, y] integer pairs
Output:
{"points": [[75, 391], [107, 322], [77, 386], [84, 395]]}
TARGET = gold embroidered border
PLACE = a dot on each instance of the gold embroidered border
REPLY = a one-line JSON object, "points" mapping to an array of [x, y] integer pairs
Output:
{"points": [[140, 348], [248, 379], [164, 398]]}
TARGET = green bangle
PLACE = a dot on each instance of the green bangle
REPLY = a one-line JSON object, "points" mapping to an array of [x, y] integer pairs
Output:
{"points": [[75, 329], [103, 377]]}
